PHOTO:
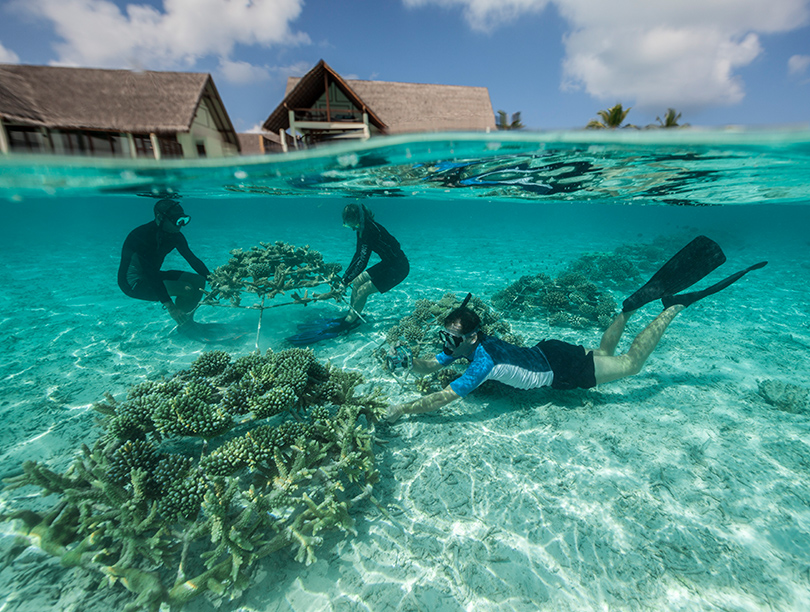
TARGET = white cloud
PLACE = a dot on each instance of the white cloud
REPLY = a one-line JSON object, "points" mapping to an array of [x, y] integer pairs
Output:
{"points": [[798, 65], [485, 15], [242, 73], [7, 56], [684, 54], [99, 33]]}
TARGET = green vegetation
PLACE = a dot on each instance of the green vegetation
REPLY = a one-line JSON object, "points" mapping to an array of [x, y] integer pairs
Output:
{"points": [[503, 122], [611, 118]]}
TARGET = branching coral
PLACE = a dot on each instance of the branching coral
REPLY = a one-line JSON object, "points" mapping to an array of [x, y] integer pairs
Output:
{"points": [[170, 516], [271, 269]]}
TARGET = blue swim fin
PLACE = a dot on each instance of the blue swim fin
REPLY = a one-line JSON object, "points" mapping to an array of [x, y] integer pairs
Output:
{"points": [[320, 330], [689, 265]]}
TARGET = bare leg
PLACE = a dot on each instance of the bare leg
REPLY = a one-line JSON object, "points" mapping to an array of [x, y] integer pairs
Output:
{"points": [[362, 288], [612, 335], [610, 367]]}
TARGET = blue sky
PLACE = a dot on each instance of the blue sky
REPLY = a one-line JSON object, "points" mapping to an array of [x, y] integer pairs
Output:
{"points": [[718, 62]]}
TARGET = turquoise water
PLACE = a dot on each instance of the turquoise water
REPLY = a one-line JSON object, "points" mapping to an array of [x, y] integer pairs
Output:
{"points": [[680, 488]]}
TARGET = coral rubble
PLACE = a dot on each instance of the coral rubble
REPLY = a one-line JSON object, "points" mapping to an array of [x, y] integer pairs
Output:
{"points": [[196, 477]]}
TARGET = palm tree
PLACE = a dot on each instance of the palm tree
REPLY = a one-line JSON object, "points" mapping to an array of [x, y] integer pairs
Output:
{"points": [[670, 119], [611, 118], [503, 124]]}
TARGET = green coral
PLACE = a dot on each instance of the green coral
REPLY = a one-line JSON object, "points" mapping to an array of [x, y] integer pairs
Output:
{"points": [[271, 269], [169, 516]]}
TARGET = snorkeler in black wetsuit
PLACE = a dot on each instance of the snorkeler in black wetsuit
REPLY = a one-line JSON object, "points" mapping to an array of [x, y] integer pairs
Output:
{"points": [[140, 276], [381, 277]]}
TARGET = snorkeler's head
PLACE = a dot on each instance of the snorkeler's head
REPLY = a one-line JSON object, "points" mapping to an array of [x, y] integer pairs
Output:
{"points": [[467, 320], [355, 215], [169, 215]]}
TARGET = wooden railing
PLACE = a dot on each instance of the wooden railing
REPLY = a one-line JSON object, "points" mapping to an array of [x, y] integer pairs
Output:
{"points": [[335, 115]]}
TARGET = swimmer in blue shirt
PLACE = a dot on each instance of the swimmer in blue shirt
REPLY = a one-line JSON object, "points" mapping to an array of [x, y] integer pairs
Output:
{"points": [[553, 363]]}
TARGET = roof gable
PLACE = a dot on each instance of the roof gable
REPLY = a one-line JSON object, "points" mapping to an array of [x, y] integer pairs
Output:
{"points": [[308, 89]]}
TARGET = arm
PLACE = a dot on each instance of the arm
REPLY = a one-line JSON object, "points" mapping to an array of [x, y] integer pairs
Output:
{"points": [[429, 403], [426, 366], [195, 262], [360, 259]]}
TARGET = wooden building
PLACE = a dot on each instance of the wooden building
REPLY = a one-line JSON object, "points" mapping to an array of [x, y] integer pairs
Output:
{"points": [[118, 113], [322, 105]]}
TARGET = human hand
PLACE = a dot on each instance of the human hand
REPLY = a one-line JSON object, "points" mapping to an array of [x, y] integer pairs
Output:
{"points": [[394, 412], [180, 317]]}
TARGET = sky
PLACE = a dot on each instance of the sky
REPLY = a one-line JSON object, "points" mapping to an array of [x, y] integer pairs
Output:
{"points": [[557, 62]]}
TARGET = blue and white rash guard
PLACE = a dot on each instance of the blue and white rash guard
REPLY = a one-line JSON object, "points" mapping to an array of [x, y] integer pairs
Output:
{"points": [[494, 359]]}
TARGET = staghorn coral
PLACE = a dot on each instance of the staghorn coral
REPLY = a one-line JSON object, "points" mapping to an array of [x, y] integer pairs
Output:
{"points": [[271, 269], [170, 517]]}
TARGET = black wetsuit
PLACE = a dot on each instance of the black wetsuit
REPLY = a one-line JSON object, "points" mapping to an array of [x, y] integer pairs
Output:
{"points": [[139, 275], [393, 266]]}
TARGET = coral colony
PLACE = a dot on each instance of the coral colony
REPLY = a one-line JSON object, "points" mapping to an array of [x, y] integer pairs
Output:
{"points": [[196, 477], [271, 269]]}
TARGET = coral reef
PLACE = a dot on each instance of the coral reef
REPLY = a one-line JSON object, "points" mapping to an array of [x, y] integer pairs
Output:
{"points": [[270, 269], [419, 332], [196, 477], [576, 297], [784, 396], [571, 299]]}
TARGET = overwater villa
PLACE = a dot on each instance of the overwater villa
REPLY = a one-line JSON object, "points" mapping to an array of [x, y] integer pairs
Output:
{"points": [[117, 113], [323, 106]]}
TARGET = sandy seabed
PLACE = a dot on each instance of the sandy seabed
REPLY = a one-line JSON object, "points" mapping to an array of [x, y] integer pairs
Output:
{"points": [[677, 489]]}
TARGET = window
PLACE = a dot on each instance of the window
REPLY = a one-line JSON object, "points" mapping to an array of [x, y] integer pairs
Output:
{"points": [[169, 147], [201, 150], [143, 145], [26, 139]]}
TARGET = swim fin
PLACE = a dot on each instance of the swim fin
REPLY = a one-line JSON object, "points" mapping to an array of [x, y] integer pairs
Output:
{"points": [[687, 266], [320, 330], [690, 298]]}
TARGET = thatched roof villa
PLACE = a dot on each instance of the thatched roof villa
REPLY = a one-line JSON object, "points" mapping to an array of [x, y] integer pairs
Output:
{"points": [[322, 105], [121, 113]]}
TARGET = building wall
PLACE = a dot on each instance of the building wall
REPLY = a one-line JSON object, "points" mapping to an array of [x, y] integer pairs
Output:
{"points": [[204, 139]]}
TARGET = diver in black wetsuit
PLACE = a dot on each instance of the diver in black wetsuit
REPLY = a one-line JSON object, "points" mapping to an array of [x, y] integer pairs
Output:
{"points": [[379, 278], [140, 276]]}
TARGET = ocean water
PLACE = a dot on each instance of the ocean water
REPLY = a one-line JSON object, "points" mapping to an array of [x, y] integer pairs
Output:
{"points": [[680, 488]]}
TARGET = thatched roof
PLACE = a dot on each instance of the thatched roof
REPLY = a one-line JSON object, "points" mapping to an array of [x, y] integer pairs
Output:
{"points": [[116, 100], [401, 107]]}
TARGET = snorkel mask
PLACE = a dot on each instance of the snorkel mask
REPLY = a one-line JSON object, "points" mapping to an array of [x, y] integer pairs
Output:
{"points": [[171, 212], [454, 340]]}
